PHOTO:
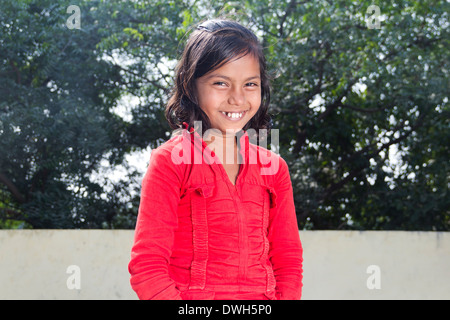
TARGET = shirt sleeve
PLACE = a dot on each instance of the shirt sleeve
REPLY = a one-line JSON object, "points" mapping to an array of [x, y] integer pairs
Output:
{"points": [[285, 253], [154, 233]]}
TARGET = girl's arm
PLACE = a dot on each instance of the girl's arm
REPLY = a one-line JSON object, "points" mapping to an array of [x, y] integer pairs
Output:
{"points": [[286, 253], [154, 234]]}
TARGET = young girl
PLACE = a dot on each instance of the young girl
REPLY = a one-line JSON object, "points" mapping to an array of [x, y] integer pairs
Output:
{"points": [[223, 227]]}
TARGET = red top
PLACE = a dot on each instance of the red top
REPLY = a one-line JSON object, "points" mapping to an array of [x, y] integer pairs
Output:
{"points": [[198, 236]]}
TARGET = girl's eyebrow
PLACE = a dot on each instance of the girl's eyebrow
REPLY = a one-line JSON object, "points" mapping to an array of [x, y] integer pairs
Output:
{"points": [[228, 78]]}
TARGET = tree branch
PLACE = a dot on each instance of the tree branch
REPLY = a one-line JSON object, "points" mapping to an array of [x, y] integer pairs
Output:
{"points": [[291, 6], [368, 110], [12, 188], [17, 71], [153, 82], [301, 137], [11, 214], [353, 173], [420, 42]]}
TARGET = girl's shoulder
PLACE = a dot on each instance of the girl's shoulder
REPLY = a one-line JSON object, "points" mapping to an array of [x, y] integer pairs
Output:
{"points": [[269, 159], [272, 168], [170, 144], [165, 151]]}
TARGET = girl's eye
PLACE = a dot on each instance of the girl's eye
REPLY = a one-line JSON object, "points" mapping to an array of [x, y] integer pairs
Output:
{"points": [[223, 84]]}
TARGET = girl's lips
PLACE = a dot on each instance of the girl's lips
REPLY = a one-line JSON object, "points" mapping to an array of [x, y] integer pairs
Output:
{"points": [[234, 119]]}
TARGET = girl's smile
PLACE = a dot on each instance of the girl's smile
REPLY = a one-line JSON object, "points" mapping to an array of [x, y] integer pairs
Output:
{"points": [[234, 116]]}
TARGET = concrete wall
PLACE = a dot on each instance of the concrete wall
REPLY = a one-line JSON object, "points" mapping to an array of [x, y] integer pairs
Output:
{"points": [[47, 264]]}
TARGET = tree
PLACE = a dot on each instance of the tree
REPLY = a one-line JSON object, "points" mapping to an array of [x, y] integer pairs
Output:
{"points": [[348, 99], [56, 119]]}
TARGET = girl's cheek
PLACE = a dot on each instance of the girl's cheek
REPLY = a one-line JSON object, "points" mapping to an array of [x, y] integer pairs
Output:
{"points": [[255, 98]]}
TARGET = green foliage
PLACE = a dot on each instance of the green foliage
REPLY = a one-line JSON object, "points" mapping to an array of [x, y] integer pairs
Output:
{"points": [[362, 113], [349, 100]]}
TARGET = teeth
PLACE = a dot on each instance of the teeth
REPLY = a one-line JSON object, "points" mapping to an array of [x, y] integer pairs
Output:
{"points": [[233, 114]]}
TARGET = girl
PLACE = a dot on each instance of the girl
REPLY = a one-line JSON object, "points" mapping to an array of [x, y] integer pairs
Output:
{"points": [[216, 229]]}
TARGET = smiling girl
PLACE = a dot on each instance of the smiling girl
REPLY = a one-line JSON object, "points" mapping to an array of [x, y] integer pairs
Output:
{"points": [[219, 229]]}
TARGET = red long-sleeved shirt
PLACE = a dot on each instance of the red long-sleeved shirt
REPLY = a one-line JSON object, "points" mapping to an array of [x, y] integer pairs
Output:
{"points": [[198, 236]]}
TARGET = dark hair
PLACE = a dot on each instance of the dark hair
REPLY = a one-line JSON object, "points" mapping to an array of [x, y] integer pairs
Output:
{"points": [[214, 43]]}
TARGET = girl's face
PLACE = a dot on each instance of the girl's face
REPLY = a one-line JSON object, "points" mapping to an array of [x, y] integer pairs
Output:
{"points": [[231, 95]]}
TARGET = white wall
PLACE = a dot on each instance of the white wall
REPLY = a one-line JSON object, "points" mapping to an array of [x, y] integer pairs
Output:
{"points": [[411, 265]]}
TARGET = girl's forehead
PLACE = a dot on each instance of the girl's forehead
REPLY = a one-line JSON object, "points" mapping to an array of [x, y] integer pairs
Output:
{"points": [[246, 66]]}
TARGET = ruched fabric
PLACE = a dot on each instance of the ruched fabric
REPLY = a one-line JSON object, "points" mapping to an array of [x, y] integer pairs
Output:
{"points": [[199, 236]]}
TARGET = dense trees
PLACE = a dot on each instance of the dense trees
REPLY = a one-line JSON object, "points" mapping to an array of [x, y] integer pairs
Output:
{"points": [[360, 101]]}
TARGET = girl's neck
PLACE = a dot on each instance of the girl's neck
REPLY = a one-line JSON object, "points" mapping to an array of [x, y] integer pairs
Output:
{"points": [[221, 139], [221, 143]]}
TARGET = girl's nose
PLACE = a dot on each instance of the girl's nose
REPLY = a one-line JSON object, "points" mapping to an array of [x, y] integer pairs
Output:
{"points": [[237, 97]]}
